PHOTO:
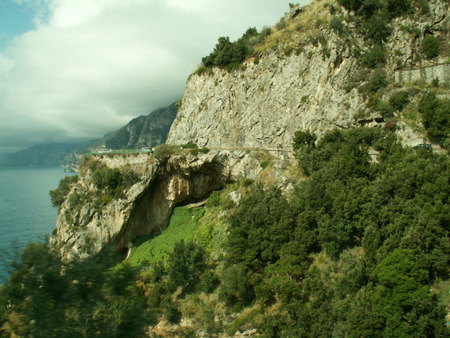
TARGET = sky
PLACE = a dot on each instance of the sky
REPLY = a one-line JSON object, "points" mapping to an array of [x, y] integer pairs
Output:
{"points": [[72, 70]]}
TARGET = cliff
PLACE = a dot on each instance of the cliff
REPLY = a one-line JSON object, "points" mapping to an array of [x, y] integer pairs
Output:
{"points": [[308, 74], [86, 223], [308, 77]]}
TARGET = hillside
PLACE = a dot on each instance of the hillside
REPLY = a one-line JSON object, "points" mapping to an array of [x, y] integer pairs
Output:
{"points": [[142, 131], [304, 192], [42, 155], [321, 67]]}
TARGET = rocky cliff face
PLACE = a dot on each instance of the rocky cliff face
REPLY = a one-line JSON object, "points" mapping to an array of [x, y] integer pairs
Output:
{"points": [[312, 80], [263, 105], [82, 229], [307, 83]]}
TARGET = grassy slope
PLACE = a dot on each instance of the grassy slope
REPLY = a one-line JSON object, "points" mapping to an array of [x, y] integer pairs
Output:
{"points": [[151, 249]]}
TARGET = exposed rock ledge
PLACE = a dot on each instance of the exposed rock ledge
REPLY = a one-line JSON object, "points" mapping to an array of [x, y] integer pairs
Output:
{"points": [[148, 204]]}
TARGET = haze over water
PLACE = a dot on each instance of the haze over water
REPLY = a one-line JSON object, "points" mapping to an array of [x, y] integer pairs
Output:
{"points": [[26, 214]]}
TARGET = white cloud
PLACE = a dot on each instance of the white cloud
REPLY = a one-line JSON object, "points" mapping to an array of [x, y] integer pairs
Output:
{"points": [[91, 66]]}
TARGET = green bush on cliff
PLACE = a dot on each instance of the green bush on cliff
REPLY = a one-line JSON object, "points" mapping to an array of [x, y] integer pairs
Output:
{"points": [[58, 195], [229, 54], [436, 117], [430, 46]]}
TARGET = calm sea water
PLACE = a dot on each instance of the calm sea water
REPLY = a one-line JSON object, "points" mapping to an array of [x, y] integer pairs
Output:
{"points": [[26, 214]]}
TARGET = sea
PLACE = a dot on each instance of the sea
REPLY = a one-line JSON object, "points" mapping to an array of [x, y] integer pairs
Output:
{"points": [[26, 213]]}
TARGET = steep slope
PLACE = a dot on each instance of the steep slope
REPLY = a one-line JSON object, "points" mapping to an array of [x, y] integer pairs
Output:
{"points": [[118, 198], [317, 70]]}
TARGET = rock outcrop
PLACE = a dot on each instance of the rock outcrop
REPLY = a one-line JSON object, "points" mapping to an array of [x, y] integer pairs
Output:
{"points": [[145, 208], [310, 84]]}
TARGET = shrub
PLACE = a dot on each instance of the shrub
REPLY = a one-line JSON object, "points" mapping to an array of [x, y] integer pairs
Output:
{"points": [[377, 81], [196, 151], [399, 100], [436, 117], [430, 46], [163, 151], [351, 5], [189, 145], [385, 109], [235, 289], [281, 24], [369, 8], [377, 29], [397, 7], [303, 139], [214, 199], [423, 6], [374, 57], [229, 54], [246, 182], [337, 25], [58, 195]]}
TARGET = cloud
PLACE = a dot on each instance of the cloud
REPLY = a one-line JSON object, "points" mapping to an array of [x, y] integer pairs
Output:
{"points": [[91, 66]]}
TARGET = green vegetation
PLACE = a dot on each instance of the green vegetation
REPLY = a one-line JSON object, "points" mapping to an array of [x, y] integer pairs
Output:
{"points": [[164, 151], [152, 249], [374, 57], [58, 195], [430, 46], [436, 118], [229, 54], [354, 251]]}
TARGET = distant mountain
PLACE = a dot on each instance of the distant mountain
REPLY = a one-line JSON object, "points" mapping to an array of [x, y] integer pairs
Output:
{"points": [[143, 131], [42, 155]]}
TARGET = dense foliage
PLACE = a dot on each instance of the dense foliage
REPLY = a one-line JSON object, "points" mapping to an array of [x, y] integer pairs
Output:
{"points": [[229, 54], [357, 250], [436, 117]]}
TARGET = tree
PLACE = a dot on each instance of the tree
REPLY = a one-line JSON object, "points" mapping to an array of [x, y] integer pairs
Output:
{"points": [[430, 46], [401, 296], [185, 265], [397, 7]]}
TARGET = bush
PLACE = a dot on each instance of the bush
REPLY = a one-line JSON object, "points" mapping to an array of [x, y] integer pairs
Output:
{"points": [[377, 29], [351, 5], [430, 46], [163, 151], [369, 8], [337, 25], [399, 100], [281, 24], [58, 195], [303, 139], [189, 145], [235, 289], [377, 81], [374, 57], [436, 117], [229, 54], [385, 109], [397, 7], [107, 179], [196, 151]]}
